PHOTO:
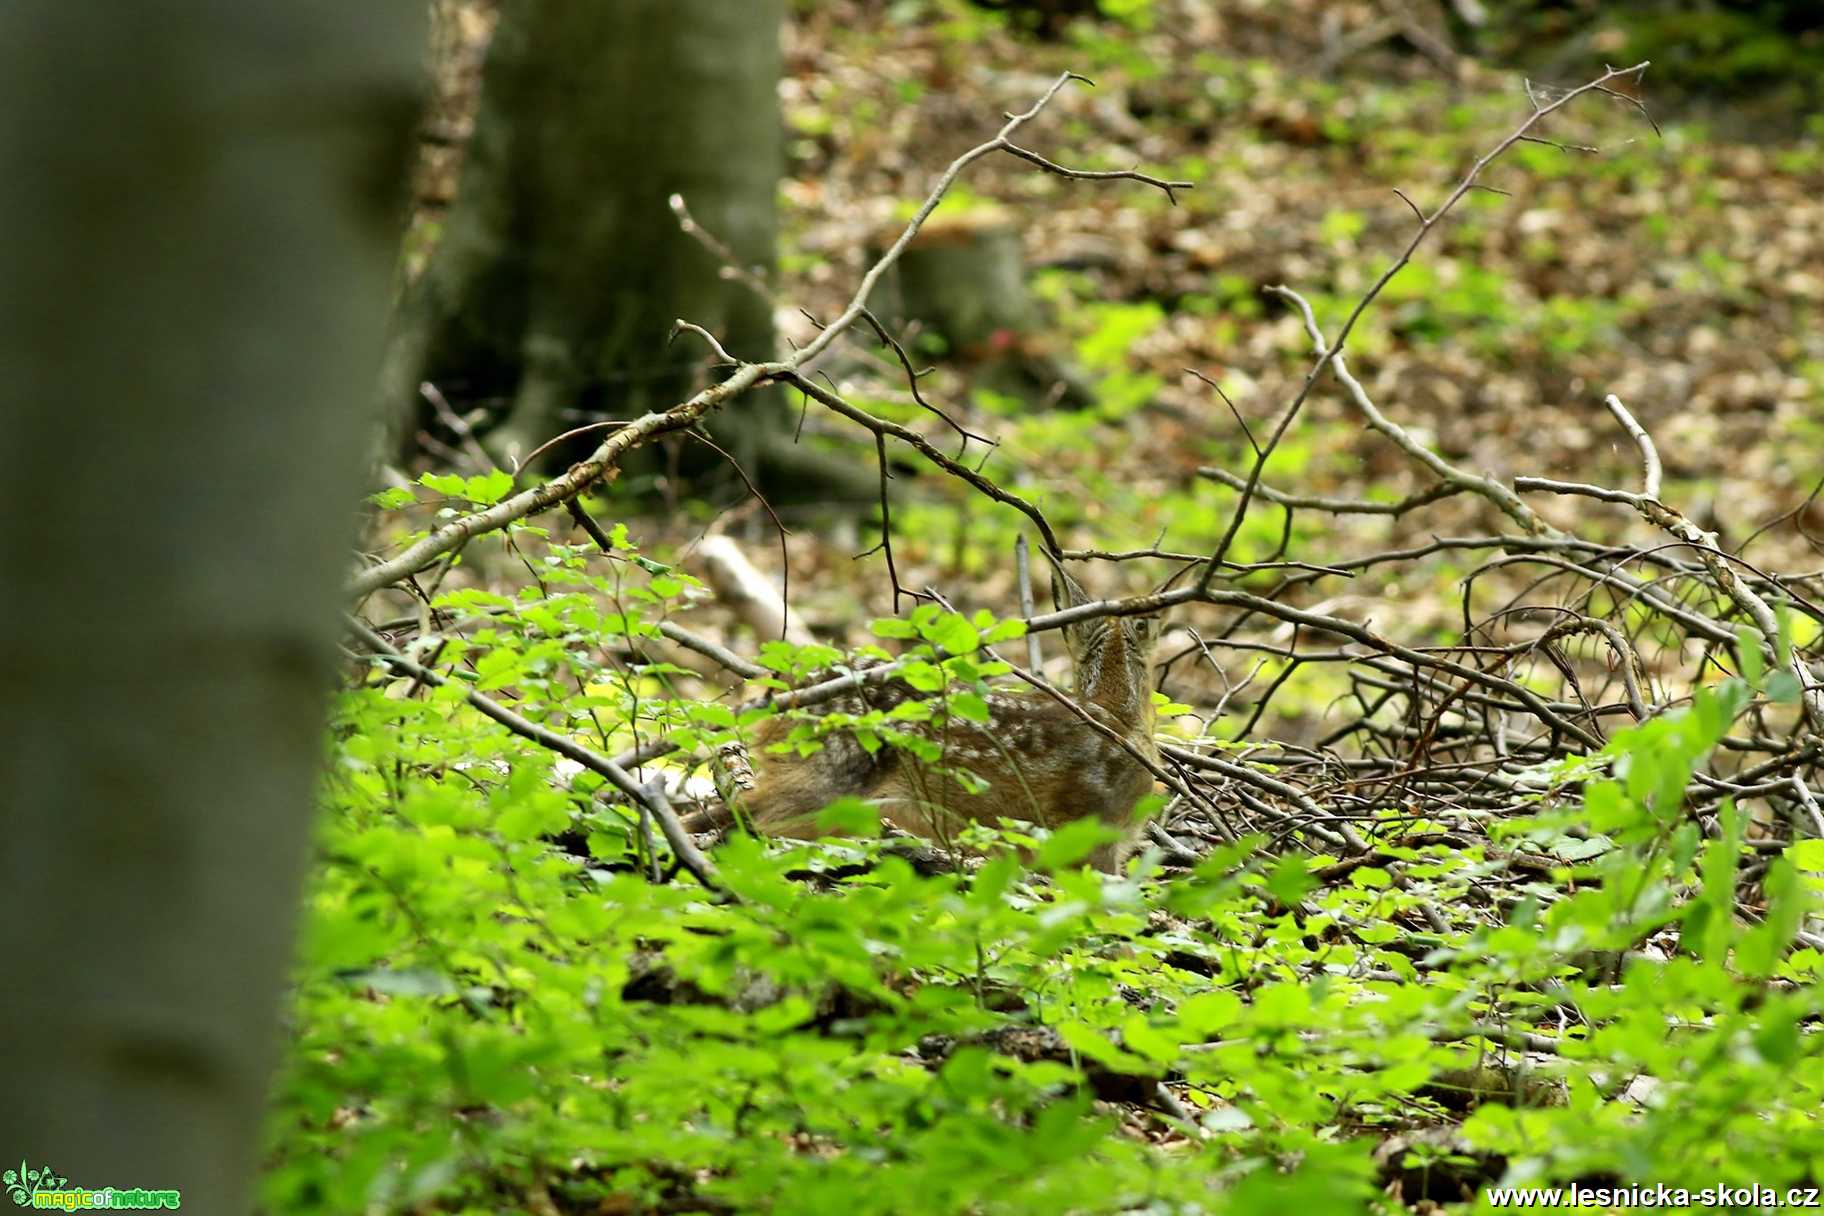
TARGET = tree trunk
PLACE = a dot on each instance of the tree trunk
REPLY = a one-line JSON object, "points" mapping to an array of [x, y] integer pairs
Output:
{"points": [[200, 209], [963, 280], [562, 268]]}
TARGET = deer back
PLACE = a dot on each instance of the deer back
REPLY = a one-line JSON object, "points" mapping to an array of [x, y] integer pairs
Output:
{"points": [[1033, 759]]}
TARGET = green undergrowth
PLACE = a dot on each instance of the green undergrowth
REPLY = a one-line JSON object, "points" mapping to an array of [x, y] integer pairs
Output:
{"points": [[498, 1009]]}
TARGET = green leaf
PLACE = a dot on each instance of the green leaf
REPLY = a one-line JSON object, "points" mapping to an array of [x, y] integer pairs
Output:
{"points": [[1748, 654], [1208, 1012], [392, 498], [892, 627], [1290, 880], [925, 677], [1004, 631], [532, 817], [969, 706], [488, 488], [1762, 947], [1777, 1038], [712, 713], [953, 633], [1072, 843], [1782, 641], [1165, 707], [1284, 1004], [1807, 855], [1141, 1036], [1089, 1042]]}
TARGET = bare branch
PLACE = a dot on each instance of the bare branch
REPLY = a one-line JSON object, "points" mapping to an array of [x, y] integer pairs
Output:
{"points": [[732, 267], [1327, 355], [1022, 562], [924, 447], [1649, 455], [1336, 506]]}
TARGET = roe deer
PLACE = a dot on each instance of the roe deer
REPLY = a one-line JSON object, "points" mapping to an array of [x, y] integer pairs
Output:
{"points": [[1041, 762]]}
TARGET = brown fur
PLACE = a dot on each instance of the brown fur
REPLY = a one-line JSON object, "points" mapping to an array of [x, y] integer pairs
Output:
{"points": [[1042, 763]]}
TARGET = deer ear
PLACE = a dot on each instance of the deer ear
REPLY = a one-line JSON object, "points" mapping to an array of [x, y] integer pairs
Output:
{"points": [[1065, 593]]}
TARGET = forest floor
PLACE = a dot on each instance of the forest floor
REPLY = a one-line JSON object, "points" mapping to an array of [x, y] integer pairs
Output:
{"points": [[1678, 270]]}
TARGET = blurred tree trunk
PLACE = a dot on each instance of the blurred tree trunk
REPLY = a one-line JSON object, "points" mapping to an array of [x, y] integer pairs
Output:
{"points": [[963, 280], [198, 219], [562, 267]]}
